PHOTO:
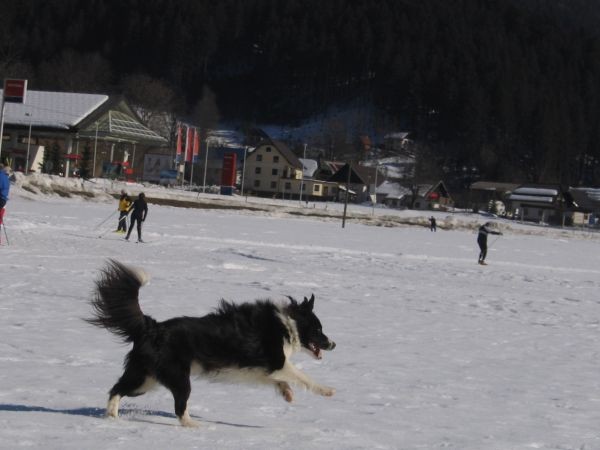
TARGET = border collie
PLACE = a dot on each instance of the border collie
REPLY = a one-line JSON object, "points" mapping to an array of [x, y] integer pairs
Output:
{"points": [[246, 342]]}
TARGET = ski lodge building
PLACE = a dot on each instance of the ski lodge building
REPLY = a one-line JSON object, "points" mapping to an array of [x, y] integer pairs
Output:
{"points": [[104, 126]]}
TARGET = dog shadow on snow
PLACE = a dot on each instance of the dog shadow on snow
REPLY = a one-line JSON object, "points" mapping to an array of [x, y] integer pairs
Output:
{"points": [[128, 413]]}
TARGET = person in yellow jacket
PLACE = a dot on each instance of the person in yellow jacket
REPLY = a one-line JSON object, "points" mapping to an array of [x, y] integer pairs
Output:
{"points": [[124, 205]]}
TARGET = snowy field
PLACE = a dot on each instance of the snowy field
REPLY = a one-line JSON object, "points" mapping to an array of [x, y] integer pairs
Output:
{"points": [[433, 350]]}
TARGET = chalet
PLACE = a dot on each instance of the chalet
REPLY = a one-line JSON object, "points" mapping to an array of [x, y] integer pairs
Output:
{"points": [[107, 126], [484, 195], [273, 170], [430, 196], [326, 169], [398, 142], [362, 180], [585, 205], [539, 203], [392, 194]]}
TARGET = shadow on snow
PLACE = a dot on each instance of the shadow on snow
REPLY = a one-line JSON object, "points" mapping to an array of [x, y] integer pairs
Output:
{"points": [[101, 413]]}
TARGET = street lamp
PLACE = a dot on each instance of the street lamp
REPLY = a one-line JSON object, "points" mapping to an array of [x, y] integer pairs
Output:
{"points": [[302, 180], [244, 168], [206, 164], [95, 151], [28, 144]]}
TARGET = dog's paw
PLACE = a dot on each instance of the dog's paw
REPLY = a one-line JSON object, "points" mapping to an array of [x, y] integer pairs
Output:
{"points": [[286, 391], [325, 391], [188, 422]]}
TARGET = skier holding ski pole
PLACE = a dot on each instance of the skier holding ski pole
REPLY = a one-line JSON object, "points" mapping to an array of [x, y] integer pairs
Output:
{"points": [[4, 189], [484, 230], [124, 205]]}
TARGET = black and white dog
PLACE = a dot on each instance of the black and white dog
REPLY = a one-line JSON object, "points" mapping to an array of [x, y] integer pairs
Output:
{"points": [[248, 341]]}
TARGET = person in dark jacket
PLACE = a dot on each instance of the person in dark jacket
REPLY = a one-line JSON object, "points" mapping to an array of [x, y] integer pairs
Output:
{"points": [[139, 211], [484, 230], [432, 224]]}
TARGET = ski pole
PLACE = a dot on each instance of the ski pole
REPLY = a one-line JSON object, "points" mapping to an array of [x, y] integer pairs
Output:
{"points": [[5, 235], [105, 220], [494, 241]]}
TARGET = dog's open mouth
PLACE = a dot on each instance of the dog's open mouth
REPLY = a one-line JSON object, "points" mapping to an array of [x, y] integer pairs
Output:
{"points": [[316, 351]]}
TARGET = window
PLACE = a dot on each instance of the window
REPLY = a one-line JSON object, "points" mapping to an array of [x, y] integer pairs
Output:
{"points": [[258, 158], [275, 159], [274, 171], [288, 186], [256, 183], [273, 184], [257, 170], [268, 149], [317, 188]]}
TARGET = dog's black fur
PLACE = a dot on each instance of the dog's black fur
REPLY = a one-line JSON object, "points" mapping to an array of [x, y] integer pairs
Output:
{"points": [[250, 341]]}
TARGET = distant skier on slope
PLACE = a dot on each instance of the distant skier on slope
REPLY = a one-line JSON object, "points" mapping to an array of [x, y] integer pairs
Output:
{"points": [[432, 224], [484, 230]]}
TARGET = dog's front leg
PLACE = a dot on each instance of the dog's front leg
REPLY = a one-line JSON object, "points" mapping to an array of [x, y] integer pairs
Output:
{"points": [[291, 374], [286, 391]]}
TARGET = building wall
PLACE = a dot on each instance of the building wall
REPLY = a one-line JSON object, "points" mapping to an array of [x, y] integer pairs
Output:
{"points": [[267, 171]]}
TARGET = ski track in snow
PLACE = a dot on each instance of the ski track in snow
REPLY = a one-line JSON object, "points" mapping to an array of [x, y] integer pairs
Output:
{"points": [[433, 350]]}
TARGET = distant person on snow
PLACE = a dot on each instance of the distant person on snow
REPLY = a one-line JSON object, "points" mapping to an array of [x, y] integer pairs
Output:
{"points": [[139, 211], [124, 205], [4, 189], [484, 230], [432, 224]]}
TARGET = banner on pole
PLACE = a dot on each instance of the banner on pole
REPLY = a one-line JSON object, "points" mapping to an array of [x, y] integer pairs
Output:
{"points": [[196, 147], [178, 146], [188, 144]]}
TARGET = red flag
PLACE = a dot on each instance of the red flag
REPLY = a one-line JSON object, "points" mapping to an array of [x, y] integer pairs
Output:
{"points": [[178, 145], [196, 146], [188, 145]]}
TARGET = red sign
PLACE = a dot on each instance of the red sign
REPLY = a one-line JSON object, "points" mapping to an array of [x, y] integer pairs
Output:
{"points": [[15, 90], [229, 169]]}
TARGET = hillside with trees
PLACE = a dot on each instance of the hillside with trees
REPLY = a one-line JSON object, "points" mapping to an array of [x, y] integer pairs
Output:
{"points": [[509, 87]]}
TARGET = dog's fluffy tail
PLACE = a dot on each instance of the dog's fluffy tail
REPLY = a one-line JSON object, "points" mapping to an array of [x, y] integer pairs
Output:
{"points": [[115, 301]]}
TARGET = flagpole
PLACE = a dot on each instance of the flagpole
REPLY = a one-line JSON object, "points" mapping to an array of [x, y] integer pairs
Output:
{"points": [[192, 173]]}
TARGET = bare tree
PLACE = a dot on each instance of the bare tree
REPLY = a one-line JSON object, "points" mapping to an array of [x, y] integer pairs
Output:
{"points": [[77, 72], [154, 101], [206, 112]]}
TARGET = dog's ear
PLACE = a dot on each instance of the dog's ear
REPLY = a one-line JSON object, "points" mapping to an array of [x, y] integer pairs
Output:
{"points": [[309, 304], [293, 302]]}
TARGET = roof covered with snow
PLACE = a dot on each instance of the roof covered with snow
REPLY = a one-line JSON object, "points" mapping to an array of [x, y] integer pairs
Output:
{"points": [[61, 110], [310, 166]]}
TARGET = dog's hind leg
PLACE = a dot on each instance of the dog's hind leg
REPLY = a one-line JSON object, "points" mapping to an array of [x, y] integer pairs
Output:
{"points": [[132, 383], [178, 382]]}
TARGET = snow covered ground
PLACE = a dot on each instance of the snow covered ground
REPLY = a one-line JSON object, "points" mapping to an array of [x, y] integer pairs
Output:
{"points": [[433, 350]]}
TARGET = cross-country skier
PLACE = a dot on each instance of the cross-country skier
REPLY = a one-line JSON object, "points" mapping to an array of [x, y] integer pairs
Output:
{"points": [[124, 205], [139, 211], [484, 230], [432, 224]]}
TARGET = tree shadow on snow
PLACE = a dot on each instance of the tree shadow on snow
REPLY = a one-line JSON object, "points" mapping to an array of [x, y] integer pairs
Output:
{"points": [[101, 413]]}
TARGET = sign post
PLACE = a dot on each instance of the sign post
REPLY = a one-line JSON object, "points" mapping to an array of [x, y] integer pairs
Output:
{"points": [[14, 92]]}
